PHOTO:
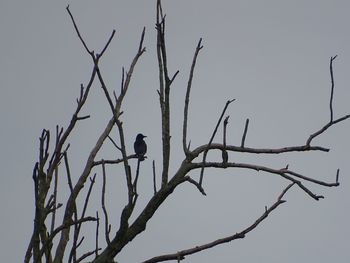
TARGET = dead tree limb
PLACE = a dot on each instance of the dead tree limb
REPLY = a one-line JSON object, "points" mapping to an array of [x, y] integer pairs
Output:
{"points": [[186, 252], [46, 169]]}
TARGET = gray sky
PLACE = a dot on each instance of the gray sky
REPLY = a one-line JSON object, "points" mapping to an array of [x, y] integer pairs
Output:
{"points": [[271, 56]]}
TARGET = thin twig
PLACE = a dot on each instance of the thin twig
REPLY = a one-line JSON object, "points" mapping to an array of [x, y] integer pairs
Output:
{"points": [[187, 98], [53, 219], [325, 127], [199, 187], [78, 32], [104, 205], [65, 226], [107, 44], [332, 87], [154, 177], [337, 177], [78, 228], [212, 138], [96, 235], [332, 121], [114, 143], [245, 132], [85, 255], [73, 252], [126, 83], [134, 185], [224, 153]]}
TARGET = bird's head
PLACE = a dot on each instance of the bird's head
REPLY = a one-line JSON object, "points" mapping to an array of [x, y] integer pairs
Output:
{"points": [[140, 136]]}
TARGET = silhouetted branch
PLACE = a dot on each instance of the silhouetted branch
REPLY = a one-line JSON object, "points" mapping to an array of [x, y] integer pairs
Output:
{"points": [[337, 177], [164, 91], [104, 205], [126, 83], [324, 128], [117, 161], [224, 153], [73, 252], [199, 187], [212, 138], [187, 98], [42, 243], [53, 218], [107, 44], [245, 132], [114, 143], [182, 253], [217, 146], [77, 188], [331, 121], [332, 87], [134, 185], [154, 177], [96, 235], [78, 32], [285, 173], [78, 227], [67, 225]]}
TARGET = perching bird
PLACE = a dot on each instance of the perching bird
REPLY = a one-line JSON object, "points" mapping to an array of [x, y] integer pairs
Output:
{"points": [[140, 146]]}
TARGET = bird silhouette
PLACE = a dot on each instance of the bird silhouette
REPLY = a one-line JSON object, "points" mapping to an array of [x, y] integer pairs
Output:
{"points": [[140, 146]]}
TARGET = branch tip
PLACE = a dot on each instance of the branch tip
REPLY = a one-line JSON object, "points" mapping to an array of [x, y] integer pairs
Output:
{"points": [[337, 177]]}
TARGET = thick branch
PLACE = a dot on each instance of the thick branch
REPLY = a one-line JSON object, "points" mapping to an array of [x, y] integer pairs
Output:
{"points": [[139, 225]]}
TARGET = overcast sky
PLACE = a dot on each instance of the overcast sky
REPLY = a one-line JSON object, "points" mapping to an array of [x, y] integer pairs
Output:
{"points": [[271, 56]]}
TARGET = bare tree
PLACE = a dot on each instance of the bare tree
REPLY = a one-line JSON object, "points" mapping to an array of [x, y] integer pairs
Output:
{"points": [[50, 238]]}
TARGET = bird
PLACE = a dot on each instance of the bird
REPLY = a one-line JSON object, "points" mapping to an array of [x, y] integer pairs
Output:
{"points": [[140, 146]]}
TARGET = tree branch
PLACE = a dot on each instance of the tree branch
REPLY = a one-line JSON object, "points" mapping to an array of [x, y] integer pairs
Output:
{"points": [[164, 91], [212, 138], [285, 173], [78, 32], [187, 98], [154, 177], [107, 227], [224, 153], [181, 254], [245, 132], [332, 87]]}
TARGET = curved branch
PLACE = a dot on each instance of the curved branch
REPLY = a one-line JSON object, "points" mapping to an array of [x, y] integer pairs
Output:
{"points": [[187, 98], [285, 173], [324, 128], [181, 254]]}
